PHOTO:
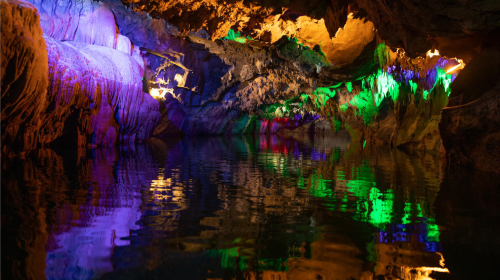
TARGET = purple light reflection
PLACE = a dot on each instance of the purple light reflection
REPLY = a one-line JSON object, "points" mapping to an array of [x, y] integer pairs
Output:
{"points": [[84, 240]]}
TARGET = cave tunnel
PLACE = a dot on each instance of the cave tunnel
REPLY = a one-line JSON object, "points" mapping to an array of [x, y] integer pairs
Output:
{"points": [[250, 139]]}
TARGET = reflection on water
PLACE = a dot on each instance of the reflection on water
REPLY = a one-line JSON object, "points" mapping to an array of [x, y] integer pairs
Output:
{"points": [[263, 207]]}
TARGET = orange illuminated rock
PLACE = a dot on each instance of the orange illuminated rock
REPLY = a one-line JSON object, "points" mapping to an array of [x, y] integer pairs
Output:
{"points": [[23, 74]]}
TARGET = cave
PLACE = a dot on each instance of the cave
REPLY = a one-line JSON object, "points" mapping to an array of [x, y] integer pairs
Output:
{"points": [[250, 139]]}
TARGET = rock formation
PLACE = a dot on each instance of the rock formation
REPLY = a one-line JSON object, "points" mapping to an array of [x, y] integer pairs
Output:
{"points": [[24, 74], [470, 124], [80, 82], [414, 25], [90, 73]]}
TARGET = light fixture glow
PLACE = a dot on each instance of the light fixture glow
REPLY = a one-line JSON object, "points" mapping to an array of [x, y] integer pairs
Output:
{"points": [[158, 92], [431, 54], [459, 66]]}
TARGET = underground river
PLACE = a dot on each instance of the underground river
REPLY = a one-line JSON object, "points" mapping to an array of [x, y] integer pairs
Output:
{"points": [[247, 207]]}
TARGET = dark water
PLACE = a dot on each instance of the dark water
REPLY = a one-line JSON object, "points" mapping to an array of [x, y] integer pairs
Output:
{"points": [[247, 208]]}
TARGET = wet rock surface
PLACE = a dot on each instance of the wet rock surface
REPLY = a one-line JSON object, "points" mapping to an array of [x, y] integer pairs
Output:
{"points": [[410, 24], [111, 73], [111, 104], [413, 25], [408, 122], [23, 75], [470, 124], [82, 86]]}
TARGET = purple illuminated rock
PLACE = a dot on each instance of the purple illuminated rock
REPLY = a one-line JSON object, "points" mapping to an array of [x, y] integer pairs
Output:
{"points": [[105, 82], [90, 22], [86, 91]]}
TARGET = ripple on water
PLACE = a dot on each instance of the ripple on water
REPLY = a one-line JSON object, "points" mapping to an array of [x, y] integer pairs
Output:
{"points": [[256, 207]]}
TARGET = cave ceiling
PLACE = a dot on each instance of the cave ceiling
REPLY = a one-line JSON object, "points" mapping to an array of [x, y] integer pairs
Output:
{"points": [[415, 25]]}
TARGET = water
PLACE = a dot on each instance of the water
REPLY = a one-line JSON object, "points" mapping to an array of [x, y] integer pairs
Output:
{"points": [[256, 207]]}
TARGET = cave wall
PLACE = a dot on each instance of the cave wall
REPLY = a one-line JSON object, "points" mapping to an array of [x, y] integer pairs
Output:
{"points": [[456, 28], [90, 79], [409, 122], [398, 104], [80, 72], [221, 87], [230, 82], [417, 25], [216, 87], [78, 81], [470, 124], [89, 88], [23, 74]]}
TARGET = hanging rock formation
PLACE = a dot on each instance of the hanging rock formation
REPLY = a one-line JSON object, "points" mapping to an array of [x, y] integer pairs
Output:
{"points": [[456, 29], [85, 89], [24, 75], [92, 73], [400, 105]]}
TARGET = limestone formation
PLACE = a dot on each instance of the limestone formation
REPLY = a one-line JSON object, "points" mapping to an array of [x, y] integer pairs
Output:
{"points": [[90, 73], [84, 90], [24, 75]]}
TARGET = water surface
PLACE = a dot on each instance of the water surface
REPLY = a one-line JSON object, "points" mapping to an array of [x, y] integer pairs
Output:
{"points": [[247, 207]]}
